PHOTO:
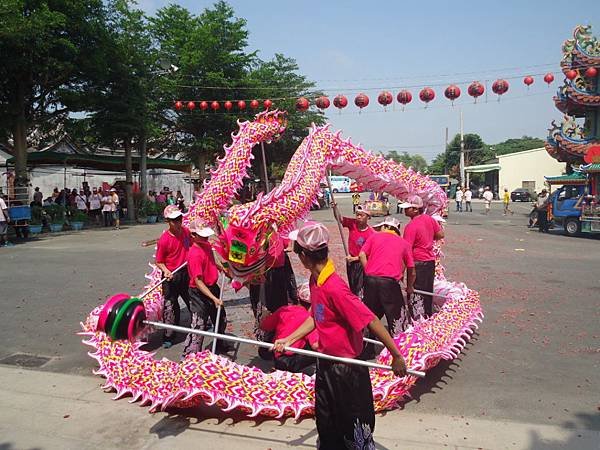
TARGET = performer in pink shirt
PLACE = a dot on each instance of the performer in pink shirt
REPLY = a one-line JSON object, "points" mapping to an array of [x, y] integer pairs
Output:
{"points": [[344, 400], [359, 232], [385, 257], [420, 233], [171, 252]]}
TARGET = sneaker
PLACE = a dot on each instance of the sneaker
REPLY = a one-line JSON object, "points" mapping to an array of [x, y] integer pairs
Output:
{"points": [[167, 344]]}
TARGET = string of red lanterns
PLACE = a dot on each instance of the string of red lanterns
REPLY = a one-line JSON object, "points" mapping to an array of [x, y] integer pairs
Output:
{"points": [[385, 98]]}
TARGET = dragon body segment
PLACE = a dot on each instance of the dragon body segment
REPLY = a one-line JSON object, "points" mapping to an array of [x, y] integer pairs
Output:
{"points": [[252, 229]]}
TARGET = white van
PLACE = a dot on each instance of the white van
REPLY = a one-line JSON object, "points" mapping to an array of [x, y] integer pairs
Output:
{"points": [[340, 183]]}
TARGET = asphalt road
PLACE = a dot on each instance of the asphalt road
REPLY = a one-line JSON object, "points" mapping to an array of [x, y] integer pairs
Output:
{"points": [[535, 359]]}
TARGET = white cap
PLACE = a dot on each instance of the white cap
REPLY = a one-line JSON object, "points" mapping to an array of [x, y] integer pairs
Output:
{"points": [[172, 212], [312, 236], [414, 201], [200, 229], [390, 222]]}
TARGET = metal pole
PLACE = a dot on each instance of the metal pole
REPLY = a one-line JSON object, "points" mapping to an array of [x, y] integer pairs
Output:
{"points": [[268, 345], [335, 215], [214, 345], [264, 160], [462, 150], [158, 283]]}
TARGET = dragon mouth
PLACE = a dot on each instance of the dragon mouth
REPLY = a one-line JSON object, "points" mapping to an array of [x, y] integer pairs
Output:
{"points": [[241, 271]]}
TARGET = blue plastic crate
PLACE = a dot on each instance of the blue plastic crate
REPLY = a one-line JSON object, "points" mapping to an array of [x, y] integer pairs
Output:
{"points": [[19, 213]]}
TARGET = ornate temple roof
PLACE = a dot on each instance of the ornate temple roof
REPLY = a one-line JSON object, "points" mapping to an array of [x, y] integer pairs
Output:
{"points": [[582, 50], [573, 178]]}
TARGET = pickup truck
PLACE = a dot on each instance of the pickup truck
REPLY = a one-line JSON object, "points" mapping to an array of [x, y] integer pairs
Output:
{"points": [[575, 219]]}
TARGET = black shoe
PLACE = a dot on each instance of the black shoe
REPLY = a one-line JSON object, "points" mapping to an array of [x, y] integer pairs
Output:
{"points": [[225, 347]]}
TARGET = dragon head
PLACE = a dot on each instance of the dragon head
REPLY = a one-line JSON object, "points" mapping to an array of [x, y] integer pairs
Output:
{"points": [[249, 252]]}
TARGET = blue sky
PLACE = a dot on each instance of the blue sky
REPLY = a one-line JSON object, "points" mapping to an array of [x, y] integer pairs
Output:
{"points": [[350, 47]]}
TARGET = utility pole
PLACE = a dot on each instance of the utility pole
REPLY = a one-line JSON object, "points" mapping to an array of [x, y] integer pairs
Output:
{"points": [[462, 150], [446, 154]]}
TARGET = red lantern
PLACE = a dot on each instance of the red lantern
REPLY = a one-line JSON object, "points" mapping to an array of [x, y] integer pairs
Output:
{"points": [[323, 102], [385, 98], [340, 102], [254, 104], [548, 78], [528, 80], [591, 72], [361, 100], [267, 104], [404, 97], [500, 87], [203, 106], [571, 74], [178, 105], [426, 95], [191, 105], [452, 92], [475, 90], [215, 105], [228, 105], [302, 104], [241, 104]]}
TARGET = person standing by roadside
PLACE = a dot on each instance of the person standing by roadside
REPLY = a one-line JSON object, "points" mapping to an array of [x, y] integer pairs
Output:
{"points": [[459, 199], [81, 202], [506, 201], [95, 205], [4, 218], [420, 233], [385, 257], [541, 205], [171, 252], [359, 231], [343, 393], [355, 201], [107, 209], [115, 208], [468, 197], [488, 196], [38, 197]]}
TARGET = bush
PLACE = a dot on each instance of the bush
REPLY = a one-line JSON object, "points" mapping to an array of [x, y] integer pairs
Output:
{"points": [[152, 209], [37, 212], [79, 216], [56, 213]]}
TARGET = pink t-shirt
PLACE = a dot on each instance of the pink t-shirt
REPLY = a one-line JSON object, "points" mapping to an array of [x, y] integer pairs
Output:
{"points": [[356, 237], [340, 317], [172, 250], [418, 234], [285, 321], [387, 255], [201, 264]]}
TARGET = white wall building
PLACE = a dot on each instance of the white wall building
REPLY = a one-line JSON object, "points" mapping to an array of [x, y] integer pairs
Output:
{"points": [[527, 169]]}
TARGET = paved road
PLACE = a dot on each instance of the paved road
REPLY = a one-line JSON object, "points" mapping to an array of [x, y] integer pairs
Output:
{"points": [[535, 359]]}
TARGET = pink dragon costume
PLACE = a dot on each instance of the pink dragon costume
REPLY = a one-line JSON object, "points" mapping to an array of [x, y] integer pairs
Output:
{"points": [[246, 234]]}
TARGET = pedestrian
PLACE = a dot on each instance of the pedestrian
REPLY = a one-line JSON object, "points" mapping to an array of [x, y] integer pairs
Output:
{"points": [[506, 201], [459, 199], [541, 205], [161, 199], [355, 201], [358, 233], [95, 205], [284, 322], [344, 409], [488, 196], [38, 197], [150, 197], [385, 257], [171, 252], [107, 209], [81, 202], [468, 196], [4, 219], [115, 208], [204, 291], [180, 201], [420, 234]]}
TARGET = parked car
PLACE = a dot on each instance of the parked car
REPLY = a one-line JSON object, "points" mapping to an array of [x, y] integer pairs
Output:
{"points": [[520, 195]]}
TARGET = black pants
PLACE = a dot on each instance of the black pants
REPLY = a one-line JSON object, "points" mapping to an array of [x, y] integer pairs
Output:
{"points": [[292, 287], [543, 220], [202, 308], [344, 406], [172, 290], [108, 218], [356, 276], [296, 363], [384, 296], [425, 274]]}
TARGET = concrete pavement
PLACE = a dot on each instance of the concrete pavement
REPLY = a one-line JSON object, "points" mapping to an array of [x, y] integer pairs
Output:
{"points": [[58, 411]]}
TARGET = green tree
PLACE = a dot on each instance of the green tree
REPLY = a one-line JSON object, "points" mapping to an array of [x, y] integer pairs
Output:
{"points": [[47, 51], [517, 145], [475, 153], [417, 162]]}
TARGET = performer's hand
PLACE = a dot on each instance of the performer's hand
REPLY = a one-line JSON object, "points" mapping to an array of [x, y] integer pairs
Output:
{"points": [[351, 258], [280, 344], [333, 204], [168, 275], [218, 302], [410, 290], [399, 366]]}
